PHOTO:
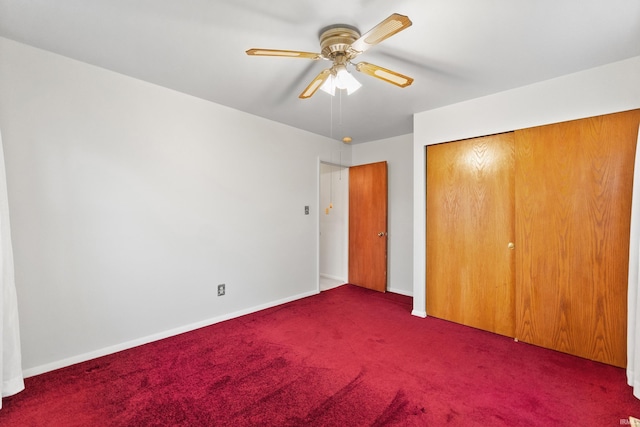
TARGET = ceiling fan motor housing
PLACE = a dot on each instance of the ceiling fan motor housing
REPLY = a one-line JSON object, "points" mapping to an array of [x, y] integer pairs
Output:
{"points": [[336, 40]]}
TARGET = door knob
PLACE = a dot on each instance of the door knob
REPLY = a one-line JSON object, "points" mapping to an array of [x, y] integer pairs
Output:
{"points": [[381, 234], [511, 245]]}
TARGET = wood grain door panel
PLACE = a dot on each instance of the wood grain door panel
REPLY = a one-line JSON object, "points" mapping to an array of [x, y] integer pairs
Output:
{"points": [[573, 204], [368, 226], [470, 223]]}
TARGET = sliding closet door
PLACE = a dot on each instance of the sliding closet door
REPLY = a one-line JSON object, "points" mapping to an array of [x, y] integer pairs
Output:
{"points": [[470, 225], [573, 204]]}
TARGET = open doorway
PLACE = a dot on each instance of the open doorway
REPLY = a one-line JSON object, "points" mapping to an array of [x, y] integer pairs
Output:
{"points": [[334, 225]]}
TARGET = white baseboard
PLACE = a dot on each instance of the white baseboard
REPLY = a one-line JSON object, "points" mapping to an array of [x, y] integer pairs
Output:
{"points": [[329, 276], [417, 313], [401, 292], [393, 290], [326, 288], [155, 337]]}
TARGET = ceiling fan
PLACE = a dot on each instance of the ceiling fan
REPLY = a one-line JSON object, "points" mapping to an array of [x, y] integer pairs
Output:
{"points": [[341, 44]]}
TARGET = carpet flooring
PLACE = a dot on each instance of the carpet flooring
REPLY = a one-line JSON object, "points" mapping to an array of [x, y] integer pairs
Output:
{"points": [[345, 357]]}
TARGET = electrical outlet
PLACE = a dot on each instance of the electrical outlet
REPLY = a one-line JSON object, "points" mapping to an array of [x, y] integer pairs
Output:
{"points": [[306, 210], [221, 289]]}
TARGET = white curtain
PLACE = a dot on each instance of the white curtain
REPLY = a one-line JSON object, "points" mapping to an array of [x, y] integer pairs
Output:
{"points": [[633, 302], [11, 379]]}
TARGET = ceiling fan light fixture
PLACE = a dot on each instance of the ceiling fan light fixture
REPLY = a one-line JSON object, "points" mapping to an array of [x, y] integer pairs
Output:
{"points": [[340, 78], [329, 86], [344, 80]]}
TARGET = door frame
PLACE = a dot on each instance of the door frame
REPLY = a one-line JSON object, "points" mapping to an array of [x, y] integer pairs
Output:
{"points": [[320, 211]]}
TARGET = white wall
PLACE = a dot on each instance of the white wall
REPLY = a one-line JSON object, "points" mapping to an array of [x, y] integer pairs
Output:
{"points": [[397, 152], [334, 222], [607, 89], [130, 203]]}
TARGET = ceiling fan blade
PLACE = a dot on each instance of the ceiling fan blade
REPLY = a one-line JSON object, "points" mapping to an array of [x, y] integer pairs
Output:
{"points": [[315, 84], [384, 74], [390, 26], [285, 53]]}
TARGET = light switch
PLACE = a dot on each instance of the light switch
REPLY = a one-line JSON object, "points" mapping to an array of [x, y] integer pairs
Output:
{"points": [[306, 210]]}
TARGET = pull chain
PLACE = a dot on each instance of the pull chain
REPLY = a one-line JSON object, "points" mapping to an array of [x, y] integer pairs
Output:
{"points": [[331, 117]]}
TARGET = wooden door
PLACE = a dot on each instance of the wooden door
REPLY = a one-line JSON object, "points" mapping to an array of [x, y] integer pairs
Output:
{"points": [[573, 204], [368, 226], [470, 223]]}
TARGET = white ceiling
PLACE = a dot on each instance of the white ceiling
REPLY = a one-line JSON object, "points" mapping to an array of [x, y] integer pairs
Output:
{"points": [[455, 50]]}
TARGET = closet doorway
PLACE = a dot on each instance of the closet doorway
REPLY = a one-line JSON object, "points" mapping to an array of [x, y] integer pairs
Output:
{"points": [[334, 225]]}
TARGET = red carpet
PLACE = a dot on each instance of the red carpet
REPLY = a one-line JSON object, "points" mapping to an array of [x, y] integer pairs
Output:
{"points": [[346, 357]]}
